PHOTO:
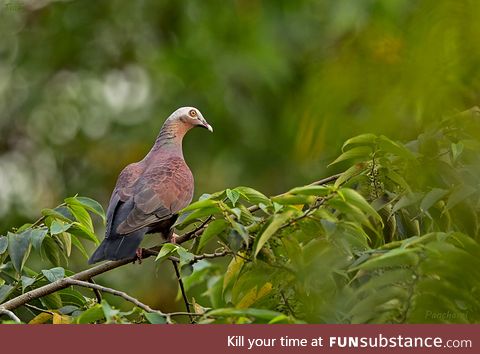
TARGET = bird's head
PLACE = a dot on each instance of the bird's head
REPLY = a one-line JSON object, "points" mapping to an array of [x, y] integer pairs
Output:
{"points": [[190, 116]]}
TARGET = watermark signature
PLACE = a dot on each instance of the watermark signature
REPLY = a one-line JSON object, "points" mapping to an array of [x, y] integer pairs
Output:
{"points": [[445, 316]]}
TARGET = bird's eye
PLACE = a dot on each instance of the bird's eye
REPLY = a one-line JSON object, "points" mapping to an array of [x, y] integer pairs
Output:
{"points": [[192, 113]]}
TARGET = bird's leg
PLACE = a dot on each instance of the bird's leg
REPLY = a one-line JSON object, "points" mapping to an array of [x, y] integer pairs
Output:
{"points": [[172, 237], [138, 255]]}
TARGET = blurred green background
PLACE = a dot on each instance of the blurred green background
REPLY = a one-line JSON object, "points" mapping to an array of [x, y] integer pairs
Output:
{"points": [[85, 87]]}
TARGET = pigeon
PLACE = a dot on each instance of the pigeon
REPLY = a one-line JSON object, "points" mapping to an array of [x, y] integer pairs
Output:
{"points": [[149, 194]]}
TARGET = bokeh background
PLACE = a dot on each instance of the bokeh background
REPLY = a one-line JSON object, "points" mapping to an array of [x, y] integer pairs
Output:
{"points": [[86, 85]]}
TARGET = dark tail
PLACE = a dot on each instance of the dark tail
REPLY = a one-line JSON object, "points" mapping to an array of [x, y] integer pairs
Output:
{"points": [[117, 248]]}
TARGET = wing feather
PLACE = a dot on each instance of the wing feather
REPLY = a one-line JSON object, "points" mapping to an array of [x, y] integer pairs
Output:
{"points": [[161, 191]]}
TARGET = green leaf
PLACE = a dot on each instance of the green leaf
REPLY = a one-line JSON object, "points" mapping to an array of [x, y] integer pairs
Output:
{"points": [[51, 250], [355, 153], [257, 313], [431, 198], [459, 194], [76, 242], [201, 204], [18, 248], [166, 250], [5, 291], [80, 213], [407, 200], [319, 191], [109, 311], [155, 318], [290, 199], [351, 196], [36, 236], [26, 282], [349, 173], [55, 214], [71, 296], [186, 270], [242, 231], [185, 256], [457, 150], [386, 279], [68, 309], [233, 196], [82, 231], [93, 206], [398, 257], [233, 269], [252, 196], [234, 240], [277, 221], [197, 215], [54, 274], [395, 148], [66, 240], [24, 227], [58, 227], [93, 314], [350, 210], [284, 319], [3, 244], [363, 139], [201, 270], [52, 301], [396, 178]]}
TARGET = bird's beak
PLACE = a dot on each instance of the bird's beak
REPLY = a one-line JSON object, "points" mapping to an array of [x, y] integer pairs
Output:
{"points": [[208, 127]]}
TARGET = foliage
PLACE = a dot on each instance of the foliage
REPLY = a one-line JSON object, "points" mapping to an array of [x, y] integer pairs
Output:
{"points": [[394, 239]]}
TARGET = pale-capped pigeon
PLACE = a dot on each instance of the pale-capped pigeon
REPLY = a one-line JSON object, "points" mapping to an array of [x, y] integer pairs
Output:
{"points": [[149, 193]]}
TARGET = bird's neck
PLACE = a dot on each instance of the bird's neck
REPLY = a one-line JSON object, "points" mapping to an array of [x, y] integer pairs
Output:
{"points": [[169, 140]]}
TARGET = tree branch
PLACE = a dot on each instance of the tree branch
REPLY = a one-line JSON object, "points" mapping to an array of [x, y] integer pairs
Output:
{"points": [[10, 314]]}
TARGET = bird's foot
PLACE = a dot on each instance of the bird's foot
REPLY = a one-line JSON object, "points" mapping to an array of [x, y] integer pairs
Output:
{"points": [[138, 256], [172, 238]]}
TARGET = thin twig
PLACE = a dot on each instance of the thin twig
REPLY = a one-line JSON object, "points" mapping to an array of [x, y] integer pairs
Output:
{"points": [[38, 309], [285, 301], [180, 313], [97, 293], [304, 215], [182, 289], [199, 257], [10, 314], [119, 293], [189, 234]]}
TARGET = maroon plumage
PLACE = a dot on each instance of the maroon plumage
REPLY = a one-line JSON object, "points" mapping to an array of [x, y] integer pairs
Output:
{"points": [[149, 193]]}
